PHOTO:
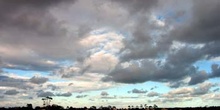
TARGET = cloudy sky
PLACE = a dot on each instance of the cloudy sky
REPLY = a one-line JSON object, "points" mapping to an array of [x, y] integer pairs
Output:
{"points": [[110, 52]]}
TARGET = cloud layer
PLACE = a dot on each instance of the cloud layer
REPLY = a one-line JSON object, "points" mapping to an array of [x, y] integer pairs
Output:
{"points": [[56, 48]]}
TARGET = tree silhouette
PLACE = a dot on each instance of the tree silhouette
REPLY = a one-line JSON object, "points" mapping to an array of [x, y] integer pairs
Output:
{"points": [[49, 99], [155, 106], [145, 105], [44, 101]]}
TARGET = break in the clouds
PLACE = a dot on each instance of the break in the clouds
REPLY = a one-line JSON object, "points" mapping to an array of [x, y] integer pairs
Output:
{"points": [[58, 48]]}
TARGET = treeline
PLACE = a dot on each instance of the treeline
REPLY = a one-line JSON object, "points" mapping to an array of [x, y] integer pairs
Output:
{"points": [[56, 107]]}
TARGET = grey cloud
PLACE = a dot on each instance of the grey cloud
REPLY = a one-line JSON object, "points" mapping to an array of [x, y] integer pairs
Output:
{"points": [[44, 94], [176, 84], [70, 84], [68, 94], [178, 65], [153, 94], [189, 92], [108, 97], [30, 98], [11, 92], [203, 26], [6, 81], [202, 89], [40, 35], [104, 93], [198, 78], [215, 70], [153, 88], [136, 91], [137, 6], [81, 96], [53, 87], [173, 100], [132, 74], [216, 90], [36, 31], [38, 80], [127, 97]]}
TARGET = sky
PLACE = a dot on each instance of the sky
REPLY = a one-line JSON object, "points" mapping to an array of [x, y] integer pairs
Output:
{"points": [[110, 52]]}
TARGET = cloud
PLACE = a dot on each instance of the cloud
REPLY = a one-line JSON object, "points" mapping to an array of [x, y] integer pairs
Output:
{"points": [[216, 90], [36, 30], [44, 94], [215, 70], [189, 92], [20, 83], [196, 32], [137, 6], [189, 38], [104, 93], [202, 89], [53, 87], [68, 94], [11, 92], [132, 42], [38, 80], [136, 91], [152, 94], [81, 96], [198, 78], [177, 84]]}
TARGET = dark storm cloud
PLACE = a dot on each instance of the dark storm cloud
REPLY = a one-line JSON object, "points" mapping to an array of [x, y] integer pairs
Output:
{"points": [[38, 80], [11, 92]]}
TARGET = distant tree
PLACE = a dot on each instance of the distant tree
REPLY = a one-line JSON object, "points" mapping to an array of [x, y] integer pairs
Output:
{"points": [[141, 106], [44, 101], [49, 99], [145, 106], [155, 106]]}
